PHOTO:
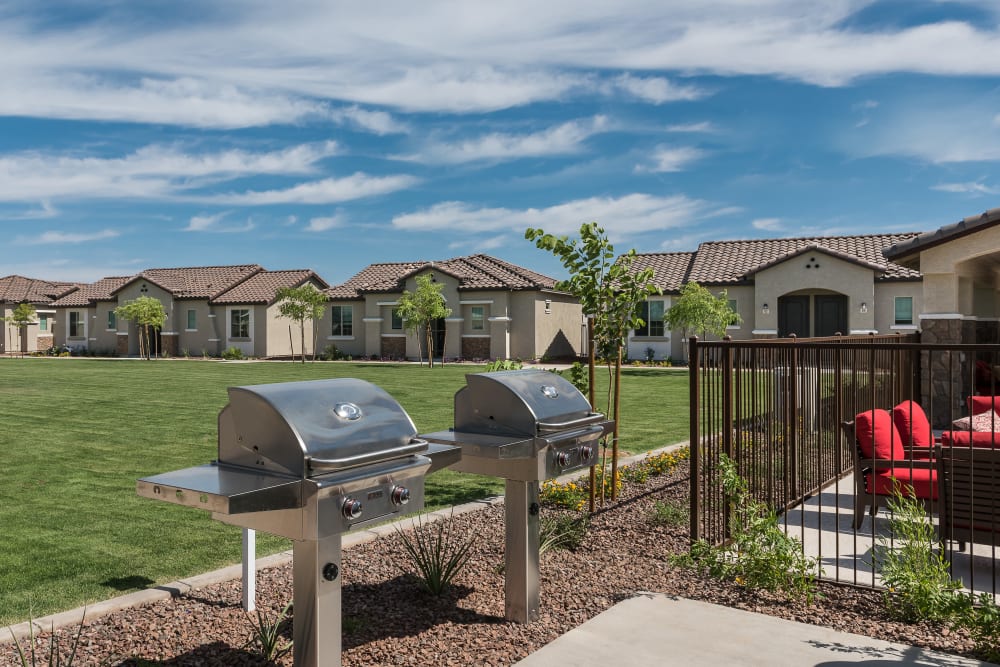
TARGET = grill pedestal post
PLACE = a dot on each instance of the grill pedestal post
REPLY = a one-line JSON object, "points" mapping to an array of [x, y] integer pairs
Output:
{"points": [[521, 552], [316, 616]]}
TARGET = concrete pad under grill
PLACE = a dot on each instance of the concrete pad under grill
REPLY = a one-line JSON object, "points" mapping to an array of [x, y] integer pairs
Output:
{"points": [[655, 629]]}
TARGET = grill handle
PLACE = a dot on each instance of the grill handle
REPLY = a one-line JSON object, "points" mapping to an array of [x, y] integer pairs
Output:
{"points": [[415, 446], [552, 427]]}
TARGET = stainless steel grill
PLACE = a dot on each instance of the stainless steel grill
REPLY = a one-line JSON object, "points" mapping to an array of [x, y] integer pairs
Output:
{"points": [[524, 426], [309, 461]]}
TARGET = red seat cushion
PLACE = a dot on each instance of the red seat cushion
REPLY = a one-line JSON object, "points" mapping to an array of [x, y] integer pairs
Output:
{"points": [[979, 404], [877, 436], [986, 439], [911, 421], [923, 481]]}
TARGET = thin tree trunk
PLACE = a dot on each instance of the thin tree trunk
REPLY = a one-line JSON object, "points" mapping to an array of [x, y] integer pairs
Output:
{"points": [[591, 394], [291, 342], [315, 339], [302, 337], [614, 435], [430, 346]]}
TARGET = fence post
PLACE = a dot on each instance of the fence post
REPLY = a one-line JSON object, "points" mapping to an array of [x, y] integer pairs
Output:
{"points": [[792, 488], [694, 396]]}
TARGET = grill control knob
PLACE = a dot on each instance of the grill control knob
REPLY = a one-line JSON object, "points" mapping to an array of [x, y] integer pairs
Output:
{"points": [[586, 452], [400, 495], [351, 508], [563, 458]]}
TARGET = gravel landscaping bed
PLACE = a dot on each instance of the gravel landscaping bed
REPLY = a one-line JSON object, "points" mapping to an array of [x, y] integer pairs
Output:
{"points": [[390, 621]]}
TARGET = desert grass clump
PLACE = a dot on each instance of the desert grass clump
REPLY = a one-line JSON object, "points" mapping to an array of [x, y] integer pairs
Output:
{"points": [[55, 657], [437, 552], [267, 633]]}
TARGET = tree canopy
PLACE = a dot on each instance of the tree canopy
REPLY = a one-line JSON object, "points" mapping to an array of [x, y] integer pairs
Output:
{"points": [[302, 303], [698, 311], [147, 313], [421, 307]]}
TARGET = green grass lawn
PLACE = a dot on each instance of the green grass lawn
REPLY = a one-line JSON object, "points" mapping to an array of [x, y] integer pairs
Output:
{"points": [[77, 433]]}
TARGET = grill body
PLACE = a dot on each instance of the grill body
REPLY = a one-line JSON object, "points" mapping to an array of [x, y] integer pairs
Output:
{"points": [[524, 426], [309, 461]]}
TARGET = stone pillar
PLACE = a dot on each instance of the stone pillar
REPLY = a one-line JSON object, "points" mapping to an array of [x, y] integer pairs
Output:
{"points": [[944, 375]]}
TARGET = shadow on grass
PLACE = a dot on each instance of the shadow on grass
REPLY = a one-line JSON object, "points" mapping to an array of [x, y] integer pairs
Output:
{"points": [[132, 583]]}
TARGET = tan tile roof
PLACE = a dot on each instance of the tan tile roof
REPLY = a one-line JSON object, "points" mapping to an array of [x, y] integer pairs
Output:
{"points": [[669, 268], [85, 295], [198, 282], [18, 289], [730, 262], [908, 250], [263, 286], [477, 272]]}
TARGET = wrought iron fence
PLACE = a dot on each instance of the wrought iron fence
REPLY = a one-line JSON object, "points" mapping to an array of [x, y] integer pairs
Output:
{"points": [[778, 407]]}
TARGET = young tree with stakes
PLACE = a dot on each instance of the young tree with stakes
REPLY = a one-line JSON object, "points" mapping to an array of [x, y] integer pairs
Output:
{"points": [[19, 319], [610, 293], [700, 312], [421, 308], [302, 303], [147, 313]]}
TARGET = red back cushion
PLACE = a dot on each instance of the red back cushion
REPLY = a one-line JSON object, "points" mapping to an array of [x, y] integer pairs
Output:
{"points": [[877, 436], [979, 404], [911, 421]]}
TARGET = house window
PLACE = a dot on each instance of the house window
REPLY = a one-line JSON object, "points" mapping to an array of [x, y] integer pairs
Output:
{"points": [[396, 320], [343, 320], [478, 318], [239, 323], [112, 320], [76, 324], [43, 322], [904, 310], [652, 314], [192, 319], [735, 320]]}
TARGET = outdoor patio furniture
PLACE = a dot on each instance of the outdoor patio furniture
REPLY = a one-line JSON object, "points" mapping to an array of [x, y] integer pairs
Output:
{"points": [[914, 427], [884, 464], [970, 483]]}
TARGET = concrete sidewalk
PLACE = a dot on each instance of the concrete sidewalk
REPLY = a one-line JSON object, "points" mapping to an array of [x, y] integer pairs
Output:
{"points": [[656, 630]]}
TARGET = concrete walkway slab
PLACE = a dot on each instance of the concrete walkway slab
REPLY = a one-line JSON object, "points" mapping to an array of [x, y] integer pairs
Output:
{"points": [[656, 630]]}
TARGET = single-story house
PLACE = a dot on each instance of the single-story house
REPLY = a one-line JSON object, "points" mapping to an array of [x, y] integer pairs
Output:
{"points": [[36, 337], [815, 286], [209, 309], [498, 311]]}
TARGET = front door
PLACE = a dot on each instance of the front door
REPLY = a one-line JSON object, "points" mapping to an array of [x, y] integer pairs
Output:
{"points": [[831, 314], [437, 335], [793, 316]]}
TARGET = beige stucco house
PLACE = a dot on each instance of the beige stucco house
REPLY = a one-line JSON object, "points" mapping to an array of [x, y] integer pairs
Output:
{"points": [[498, 311], [209, 309], [816, 286], [36, 337]]}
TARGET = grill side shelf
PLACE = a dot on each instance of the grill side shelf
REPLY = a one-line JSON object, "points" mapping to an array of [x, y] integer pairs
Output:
{"points": [[223, 490]]}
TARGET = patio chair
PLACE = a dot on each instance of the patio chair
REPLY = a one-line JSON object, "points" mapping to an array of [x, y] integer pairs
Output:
{"points": [[883, 464], [914, 427], [970, 487]]}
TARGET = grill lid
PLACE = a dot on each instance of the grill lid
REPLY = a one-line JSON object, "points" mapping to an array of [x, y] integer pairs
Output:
{"points": [[522, 402], [311, 427]]}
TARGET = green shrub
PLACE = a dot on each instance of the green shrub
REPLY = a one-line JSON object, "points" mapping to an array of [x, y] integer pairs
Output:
{"points": [[504, 365], [919, 585], [670, 513], [760, 554], [438, 554], [266, 634], [579, 376], [983, 622], [563, 531], [232, 353]]}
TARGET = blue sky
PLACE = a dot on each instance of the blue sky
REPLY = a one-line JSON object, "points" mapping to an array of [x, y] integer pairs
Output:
{"points": [[330, 135]]}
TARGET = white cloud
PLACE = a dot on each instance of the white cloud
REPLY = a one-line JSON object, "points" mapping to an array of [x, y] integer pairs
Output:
{"points": [[564, 139], [621, 217], [666, 159], [153, 171], [44, 211], [976, 188], [376, 122], [933, 130], [213, 223], [767, 224], [704, 126], [657, 89], [57, 237], [325, 191], [325, 223]]}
